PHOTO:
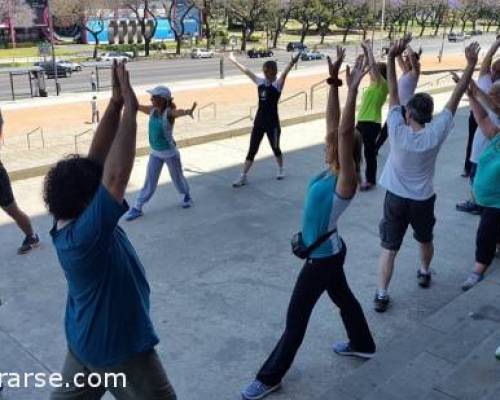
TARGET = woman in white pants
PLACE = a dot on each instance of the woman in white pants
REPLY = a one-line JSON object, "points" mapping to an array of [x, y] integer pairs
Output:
{"points": [[162, 115]]}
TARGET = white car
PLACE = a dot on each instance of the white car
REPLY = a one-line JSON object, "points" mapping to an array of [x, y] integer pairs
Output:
{"points": [[75, 67], [115, 55], [202, 53]]}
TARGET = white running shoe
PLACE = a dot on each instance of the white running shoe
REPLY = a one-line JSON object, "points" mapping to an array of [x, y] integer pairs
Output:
{"points": [[241, 181], [281, 174]]}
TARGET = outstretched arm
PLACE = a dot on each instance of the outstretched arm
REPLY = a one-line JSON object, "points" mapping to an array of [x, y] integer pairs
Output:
{"points": [[375, 74], [395, 51], [121, 156], [401, 64], [414, 60], [243, 69], [471, 54], [145, 109], [183, 112], [347, 179], [106, 131], [484, 98], [487, 126], [284, 74], [488, 58], [333, 108]]}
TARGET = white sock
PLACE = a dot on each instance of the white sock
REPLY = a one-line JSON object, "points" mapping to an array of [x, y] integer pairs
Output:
{"points": [[382, 292], [425, 271]]}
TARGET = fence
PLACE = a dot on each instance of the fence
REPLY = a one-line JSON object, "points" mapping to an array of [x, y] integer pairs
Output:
{"points": [[314, 88], [212, 105], [79, 135], [30, 133]]}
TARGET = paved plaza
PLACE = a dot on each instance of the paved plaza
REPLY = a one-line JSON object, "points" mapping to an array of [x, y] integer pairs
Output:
{"points": [[222, 272]]}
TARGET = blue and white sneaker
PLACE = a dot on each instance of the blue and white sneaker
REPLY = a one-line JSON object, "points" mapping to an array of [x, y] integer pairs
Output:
{"points": [[257, 390], [345, 349], [133, 213], [187, 202]]}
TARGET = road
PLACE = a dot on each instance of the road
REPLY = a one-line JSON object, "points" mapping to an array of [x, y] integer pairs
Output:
{"points": [[151, 72]]}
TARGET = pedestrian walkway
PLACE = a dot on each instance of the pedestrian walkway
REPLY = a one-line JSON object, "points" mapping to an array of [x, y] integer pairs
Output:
{"points": [[221, 273]]}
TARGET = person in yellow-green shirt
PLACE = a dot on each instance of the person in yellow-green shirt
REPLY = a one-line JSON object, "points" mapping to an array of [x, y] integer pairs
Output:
{"points": [[370, 114]]}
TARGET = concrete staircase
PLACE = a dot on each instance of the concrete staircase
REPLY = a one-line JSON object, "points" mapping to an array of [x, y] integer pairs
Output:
{"points": [[449, 356]]}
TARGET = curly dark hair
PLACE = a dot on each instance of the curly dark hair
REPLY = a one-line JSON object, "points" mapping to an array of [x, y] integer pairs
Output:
{"points": [[70, 186]]}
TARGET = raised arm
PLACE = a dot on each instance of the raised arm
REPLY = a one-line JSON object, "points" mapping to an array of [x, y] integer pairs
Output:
{"points": [[347, 180], [183, 112], [243, 69], [370, 59], [106, 131], [471, 54], [333, 108], [484, 98], [286, 71], [488, 58], [401, 64], [119, 163], [395, 51], [487, 126], [414, 60]]}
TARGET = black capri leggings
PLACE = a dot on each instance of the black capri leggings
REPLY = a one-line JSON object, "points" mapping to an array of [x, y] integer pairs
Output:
{"points": [[370, 132], [258, 132], [488, 235]]}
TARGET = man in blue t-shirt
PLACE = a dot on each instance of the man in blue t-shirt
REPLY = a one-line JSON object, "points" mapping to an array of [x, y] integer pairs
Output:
{"points": [[107, 323]]}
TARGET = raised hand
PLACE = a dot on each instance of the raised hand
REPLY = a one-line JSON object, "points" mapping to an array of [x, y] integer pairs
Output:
{"points": [[454, 76], [191, 110], [116, 92], [355, 75], [472, 53], [334, 67], [397, 48], [127, 92]]}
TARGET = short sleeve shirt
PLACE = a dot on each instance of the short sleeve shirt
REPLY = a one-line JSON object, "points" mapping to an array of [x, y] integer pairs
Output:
{"points": [[374, 98], [410, 168], [107, 312]]}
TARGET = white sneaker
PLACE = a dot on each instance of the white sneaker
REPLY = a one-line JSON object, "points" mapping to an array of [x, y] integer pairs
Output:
{"points": [[281, 174], [241, 181]]}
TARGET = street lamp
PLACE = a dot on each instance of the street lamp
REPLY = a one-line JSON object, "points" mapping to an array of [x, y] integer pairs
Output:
{"points": [[51, 31], [445, 20], [382, 23]]}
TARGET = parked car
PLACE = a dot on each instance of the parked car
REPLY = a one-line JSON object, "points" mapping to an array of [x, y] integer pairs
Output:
{"points": [[202, 53], [476, 32], [259, 53], [115, 55], [296, 46], [312, 55], [457, 36], [50, 71], [75, 67]]}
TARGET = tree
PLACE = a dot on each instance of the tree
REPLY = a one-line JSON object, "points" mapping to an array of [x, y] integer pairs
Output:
{"points": [[327, 15], [355, 14], [17, 13], [397, 14], [279, 13], [249, 14], [470, 12], [177, 21], [440, 11], [491, 14], [146, 17], [424, 13], [86, 14], [307, 14], [211, 11]]}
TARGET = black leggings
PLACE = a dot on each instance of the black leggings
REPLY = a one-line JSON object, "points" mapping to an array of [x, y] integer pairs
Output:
{"points": [[370, 131], [488, 235], [258, 132], [316, 277], [470, 140]]}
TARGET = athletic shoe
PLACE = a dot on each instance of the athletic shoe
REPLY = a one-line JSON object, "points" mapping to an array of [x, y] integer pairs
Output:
{"points": [[187, 202], [381, 303], [465, 174], [345, 349], [281, 174], [133, 213], [257, 390], [241, 181], [473, 279], [497, 353], [29, 243], [424, 280], [469, 207], [365, 187]]}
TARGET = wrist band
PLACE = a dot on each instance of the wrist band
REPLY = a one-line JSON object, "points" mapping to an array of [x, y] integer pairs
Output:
{"points": [[334, 81]]}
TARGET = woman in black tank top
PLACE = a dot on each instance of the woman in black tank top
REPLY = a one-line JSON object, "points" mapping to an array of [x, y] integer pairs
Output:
{"points": [[267, 121]]}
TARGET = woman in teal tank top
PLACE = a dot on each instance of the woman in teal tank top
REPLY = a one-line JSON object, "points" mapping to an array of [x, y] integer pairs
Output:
{"points": [[162, 115], [328, 195], [486, 192]]}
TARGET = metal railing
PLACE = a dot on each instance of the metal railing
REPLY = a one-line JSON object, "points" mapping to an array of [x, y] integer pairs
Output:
{"points": [[435, 82], [77, 136], [314, 88], [299, 94], [212, 105], [30, 133], [240, 120]]}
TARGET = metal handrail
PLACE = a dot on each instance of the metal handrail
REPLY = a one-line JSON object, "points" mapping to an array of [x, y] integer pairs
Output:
{"points": [[315, 87], [303, 93], [79, 135], [434, 82], [239, 120], [209, 105], [28, 135]]}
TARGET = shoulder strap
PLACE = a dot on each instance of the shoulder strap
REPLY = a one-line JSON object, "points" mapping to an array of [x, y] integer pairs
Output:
{"points": [[319, 241]]}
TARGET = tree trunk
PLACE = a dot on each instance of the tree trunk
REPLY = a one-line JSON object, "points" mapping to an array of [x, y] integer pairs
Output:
{"points": [[208, 35], [305, 28], [464, 22], [147, 42], [438, 25], [178, 41], [323, 34], [346, 32], [96, 46], [488, 27], [422, 30], [276, 36], [244, 39]]}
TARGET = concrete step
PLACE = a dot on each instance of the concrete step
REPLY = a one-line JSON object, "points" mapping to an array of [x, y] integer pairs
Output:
{"points": [[450, 355]]}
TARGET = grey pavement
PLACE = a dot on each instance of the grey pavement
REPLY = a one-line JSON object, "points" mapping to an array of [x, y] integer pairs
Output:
{"points": [[221, 273]]}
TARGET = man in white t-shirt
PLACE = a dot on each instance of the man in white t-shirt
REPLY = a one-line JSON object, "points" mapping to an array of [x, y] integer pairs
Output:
{"points": [[408, 175], [488, 75]]}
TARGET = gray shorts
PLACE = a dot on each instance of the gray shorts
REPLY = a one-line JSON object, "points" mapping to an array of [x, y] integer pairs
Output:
{"points": [[145, 380]]}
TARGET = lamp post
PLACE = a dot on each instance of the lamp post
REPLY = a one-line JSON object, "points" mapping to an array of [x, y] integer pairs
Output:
{"points": [[445, 20], [51, 32], [382, 23]]}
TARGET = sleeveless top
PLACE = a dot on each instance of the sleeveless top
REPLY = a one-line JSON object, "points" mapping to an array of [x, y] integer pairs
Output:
{"points": [[487, 179], [269, 96], [322, 209], [161, 139]]}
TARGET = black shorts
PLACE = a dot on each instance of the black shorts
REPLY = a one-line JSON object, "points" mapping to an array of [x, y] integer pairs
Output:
{"points": [[6, 195], [399, 213]]}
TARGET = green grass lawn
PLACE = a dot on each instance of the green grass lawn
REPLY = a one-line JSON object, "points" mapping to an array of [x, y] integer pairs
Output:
{"points": [[33, 51]]}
